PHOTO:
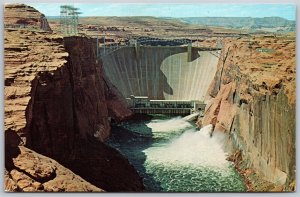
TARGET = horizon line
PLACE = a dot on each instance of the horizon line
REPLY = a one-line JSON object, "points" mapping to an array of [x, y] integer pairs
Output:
{"points": [[180, 17]]}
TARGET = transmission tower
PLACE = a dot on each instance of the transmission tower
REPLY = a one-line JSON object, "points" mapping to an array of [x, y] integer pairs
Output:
{"points": [[69, 20]]}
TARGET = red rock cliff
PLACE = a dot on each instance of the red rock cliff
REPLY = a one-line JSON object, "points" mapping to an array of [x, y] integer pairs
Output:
{"points": [[68, 119], [253, 100], [58, 101]]}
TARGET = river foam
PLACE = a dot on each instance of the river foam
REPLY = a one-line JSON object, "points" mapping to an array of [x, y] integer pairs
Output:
{"points": [[170, 125], [192, 148], [181, 158]]}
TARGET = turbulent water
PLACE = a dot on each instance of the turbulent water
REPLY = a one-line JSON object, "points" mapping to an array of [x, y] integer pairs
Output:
{"points": [[171, 155]]}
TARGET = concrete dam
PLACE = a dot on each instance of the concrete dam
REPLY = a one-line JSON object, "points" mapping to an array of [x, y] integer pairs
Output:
{"points": [[162, 72]]}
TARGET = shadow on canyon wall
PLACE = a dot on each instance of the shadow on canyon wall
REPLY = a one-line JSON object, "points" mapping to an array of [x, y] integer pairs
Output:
{"points": [[67, 120]]}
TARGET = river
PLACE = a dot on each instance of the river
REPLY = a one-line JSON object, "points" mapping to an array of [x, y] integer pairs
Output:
{"points": [[172, 155]]}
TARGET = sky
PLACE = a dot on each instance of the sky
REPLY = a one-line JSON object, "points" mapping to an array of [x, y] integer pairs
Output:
{"points": [[286, 11]]}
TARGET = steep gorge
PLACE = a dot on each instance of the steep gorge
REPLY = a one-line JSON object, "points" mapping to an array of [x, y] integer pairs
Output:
{"points": [[59, 101]]}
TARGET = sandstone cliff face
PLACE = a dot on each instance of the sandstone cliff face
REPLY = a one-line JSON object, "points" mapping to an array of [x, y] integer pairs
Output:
{"points": [[68, 119], [58, 101], [253, 100], [26, 54], [72, 101], [24, 16]]}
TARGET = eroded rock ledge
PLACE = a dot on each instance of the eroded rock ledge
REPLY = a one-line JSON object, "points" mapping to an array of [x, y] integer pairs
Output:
{"points": [[28, 171]]}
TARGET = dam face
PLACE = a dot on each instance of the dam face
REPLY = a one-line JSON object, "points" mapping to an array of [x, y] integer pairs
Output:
{"points": [[161, 72]]}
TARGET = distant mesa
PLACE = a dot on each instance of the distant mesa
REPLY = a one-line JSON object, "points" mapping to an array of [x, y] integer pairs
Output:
{"points": [[267, 23], [24, 16]]}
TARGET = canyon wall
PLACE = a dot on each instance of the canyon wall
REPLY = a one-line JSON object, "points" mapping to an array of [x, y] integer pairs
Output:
{"points": [[161, 72], [70, 114], [265, 131], [253, 100], [58, 101]]}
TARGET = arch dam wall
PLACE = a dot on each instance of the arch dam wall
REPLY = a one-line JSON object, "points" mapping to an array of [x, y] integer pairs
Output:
{"points": [[161, 72]]}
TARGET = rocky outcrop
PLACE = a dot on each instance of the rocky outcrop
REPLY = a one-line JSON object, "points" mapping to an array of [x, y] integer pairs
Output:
{"points": [[28, 171], [253, 100], [59, 102], [24, 16]]}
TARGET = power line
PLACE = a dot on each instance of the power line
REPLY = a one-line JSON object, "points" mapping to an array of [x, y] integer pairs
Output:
{"points": [[69, 20]]}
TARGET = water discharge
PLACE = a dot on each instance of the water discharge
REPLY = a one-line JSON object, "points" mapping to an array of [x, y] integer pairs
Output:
{"points": [[171, 155]]}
